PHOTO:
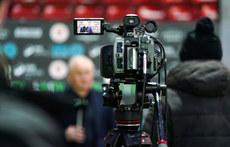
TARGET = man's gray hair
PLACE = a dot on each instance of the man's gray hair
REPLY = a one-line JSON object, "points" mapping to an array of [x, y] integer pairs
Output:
{"points": [[79, 59]]}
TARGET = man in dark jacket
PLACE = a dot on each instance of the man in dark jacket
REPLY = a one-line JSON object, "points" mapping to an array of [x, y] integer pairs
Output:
{"points": [[198, 93], [87, 121], [86, 28]]}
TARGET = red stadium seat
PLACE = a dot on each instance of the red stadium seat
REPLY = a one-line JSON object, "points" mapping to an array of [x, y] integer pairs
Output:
{"points": [[56, 1], [27, 1], [86, 1], [174, 1], [182, 13], [138, 2], [82, 11], [117, 1], [117, 12], [25, 11], [202, 1], [149, 12], [57, 12], [209, 10]]}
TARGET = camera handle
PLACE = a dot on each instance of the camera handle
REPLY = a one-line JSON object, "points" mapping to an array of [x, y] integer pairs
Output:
{"points": [[118, 31]]}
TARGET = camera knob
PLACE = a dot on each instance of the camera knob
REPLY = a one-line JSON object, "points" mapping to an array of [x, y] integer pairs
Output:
{"points": [[127, 42], [144, 40], [144, 46]]}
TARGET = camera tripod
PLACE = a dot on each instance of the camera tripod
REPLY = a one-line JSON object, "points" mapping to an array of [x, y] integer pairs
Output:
{"points": [[128, 122]]}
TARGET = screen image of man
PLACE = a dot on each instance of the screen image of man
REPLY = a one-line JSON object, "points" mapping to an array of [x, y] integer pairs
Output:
{"points": [[87, 121], [86, 28]]}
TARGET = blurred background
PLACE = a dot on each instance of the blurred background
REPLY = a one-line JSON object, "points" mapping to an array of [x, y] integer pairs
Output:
{"points": [[37, 35]]}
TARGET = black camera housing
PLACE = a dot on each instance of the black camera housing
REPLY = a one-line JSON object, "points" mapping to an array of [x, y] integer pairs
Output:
{"points": [[123, 60], [106, 61]]}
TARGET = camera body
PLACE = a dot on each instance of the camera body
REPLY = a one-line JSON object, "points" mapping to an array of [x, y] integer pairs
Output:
{"points": [[123, 60]]}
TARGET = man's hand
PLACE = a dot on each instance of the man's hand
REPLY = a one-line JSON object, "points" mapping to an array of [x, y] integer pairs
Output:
{"points": [[75, 134]]}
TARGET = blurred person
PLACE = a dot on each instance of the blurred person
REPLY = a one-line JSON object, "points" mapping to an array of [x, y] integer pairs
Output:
{"points": [[22, 123], [25, 117], [87, 120], [86, 28], [198, 93]]}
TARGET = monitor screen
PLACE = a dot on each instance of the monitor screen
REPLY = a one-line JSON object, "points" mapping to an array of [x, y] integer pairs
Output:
{"points": [[88, 26]]}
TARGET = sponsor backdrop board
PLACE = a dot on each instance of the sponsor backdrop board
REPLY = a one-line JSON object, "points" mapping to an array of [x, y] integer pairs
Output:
{"points": [[39, 50]]}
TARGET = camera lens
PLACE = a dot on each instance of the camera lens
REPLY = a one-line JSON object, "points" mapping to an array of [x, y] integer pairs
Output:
{"points": [[131, 21]]}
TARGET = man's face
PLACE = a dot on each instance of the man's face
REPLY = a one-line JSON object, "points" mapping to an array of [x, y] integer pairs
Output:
{"points": [[85, 24], [81, 76]]}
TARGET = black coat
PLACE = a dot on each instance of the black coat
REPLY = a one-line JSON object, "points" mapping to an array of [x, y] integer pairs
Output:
{"points": [[97, 119], [199, 105]]}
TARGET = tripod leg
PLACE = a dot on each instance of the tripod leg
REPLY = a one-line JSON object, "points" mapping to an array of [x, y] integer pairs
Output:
{"points": [[161, 140]]}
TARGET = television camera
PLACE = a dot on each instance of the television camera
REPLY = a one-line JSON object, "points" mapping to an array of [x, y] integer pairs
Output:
{"points": [[134, 58]]}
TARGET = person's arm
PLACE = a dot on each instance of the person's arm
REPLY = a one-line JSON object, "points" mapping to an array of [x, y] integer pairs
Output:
{"points": [[82, 29], [110, 119], [106, 123], [90, 30]]}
